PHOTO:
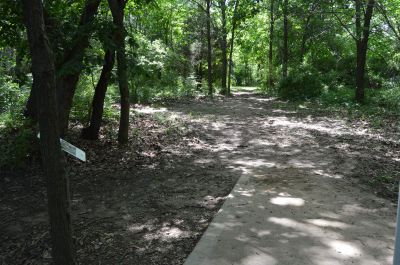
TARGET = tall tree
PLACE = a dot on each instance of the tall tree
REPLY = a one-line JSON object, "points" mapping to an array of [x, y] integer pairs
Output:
{"points": [[271, 42], [222, 5], [117, 10], [70, 66], [232, 40], [92, 132], [285, 51], [53, 163], [362, 36], [209, 49]]}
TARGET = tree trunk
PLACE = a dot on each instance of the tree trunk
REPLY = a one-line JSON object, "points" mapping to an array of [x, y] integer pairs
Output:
{"points": [[117, 10], [92, 132], [271, 42], [72, 62], [285, 39], [224, 48], [53, 163], [234, 19], [209, 52], [199, 76], [20, 77], [362, 35], [304, 39]]}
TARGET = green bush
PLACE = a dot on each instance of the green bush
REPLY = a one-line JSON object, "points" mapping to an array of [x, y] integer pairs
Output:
{"points": [[388, 97], [16, 140], [301, 84]]}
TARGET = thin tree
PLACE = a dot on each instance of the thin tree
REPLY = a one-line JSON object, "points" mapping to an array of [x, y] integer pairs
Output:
{"points": [[285, 39], [58, 196], [224, 41], [271, 42], [209, 49], [362, 36], [234, 22], [117, 10]]}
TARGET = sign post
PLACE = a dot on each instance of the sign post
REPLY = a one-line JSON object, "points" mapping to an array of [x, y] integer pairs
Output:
{"points": [[71, 149]]}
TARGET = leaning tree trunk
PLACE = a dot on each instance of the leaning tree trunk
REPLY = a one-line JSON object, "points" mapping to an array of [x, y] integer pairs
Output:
{"points": [[72, 60], [209, 52], [53, 163], [234, 20], [362, 35], [92, 132], [224, 48], [117, 10], [285, 39], [271, 42]]}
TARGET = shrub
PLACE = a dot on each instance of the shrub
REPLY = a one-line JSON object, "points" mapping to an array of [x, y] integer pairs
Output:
{"points": [[16, 140], [301, 84]]}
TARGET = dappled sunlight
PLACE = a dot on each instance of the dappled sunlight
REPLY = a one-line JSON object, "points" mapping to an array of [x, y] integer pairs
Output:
{"points": [[255, 163], [284, 201], [245, 192], [334, 128], [324, 174], [293, 203], [283, 111], [258, 258], [345, 248], [150, 110], [258, 142], [301, 163], [167, 234], [260, 233], [284, 222], [327, 223]]}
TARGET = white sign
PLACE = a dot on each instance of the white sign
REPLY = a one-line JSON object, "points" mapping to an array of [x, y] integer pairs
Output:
{"points": [[70, 149]]}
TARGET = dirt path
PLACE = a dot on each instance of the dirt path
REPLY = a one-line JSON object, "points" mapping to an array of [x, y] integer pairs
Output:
{"points": [[150, 202], [294, 202]]}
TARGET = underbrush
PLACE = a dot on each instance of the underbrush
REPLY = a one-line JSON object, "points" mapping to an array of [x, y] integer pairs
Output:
{"points": [[380, 107], [17, 134], [17, 140], [301, 84]]}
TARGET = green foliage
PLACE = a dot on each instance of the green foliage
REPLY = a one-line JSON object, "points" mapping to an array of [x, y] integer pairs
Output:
{"points": [[16, 140], [388, 98], [301, 84], [83, 100], [83, 97], [157, 71]]}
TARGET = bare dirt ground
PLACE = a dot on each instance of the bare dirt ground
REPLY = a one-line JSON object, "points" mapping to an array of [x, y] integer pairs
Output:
{"points": [[150, 202]]}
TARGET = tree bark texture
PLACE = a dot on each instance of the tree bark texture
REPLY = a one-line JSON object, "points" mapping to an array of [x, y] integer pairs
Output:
{"points": [[209, 51], [271, 43], [224, 48], [285, 51], [232, 41], [362, 35], [53, 163], [70, 66], [117, 10]]}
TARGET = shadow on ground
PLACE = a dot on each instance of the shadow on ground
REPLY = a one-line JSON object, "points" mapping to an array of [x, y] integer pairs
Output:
{"points": [[152, 203]]}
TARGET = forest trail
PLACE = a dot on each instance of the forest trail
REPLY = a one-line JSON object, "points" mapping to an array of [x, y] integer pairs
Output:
{"points": [[294, 202], [299, 199]]}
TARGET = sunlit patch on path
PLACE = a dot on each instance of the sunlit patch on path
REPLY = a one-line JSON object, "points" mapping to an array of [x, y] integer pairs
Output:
{"points": [[292, 204]]}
